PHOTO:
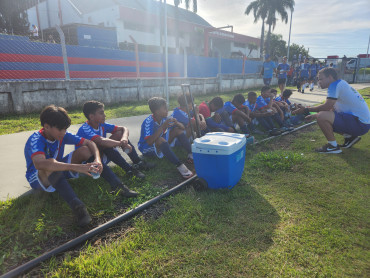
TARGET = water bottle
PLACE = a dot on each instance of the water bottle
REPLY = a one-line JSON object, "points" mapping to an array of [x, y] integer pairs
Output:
{"points": [[95, 175]]}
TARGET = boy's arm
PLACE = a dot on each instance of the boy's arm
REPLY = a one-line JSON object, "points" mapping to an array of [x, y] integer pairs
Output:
{"points": [[152, 138], [242, 114], [95, 151]]}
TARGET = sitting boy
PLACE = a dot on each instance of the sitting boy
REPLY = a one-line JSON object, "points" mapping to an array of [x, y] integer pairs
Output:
{"points": [[284, 98], [158, 133], [48, 170], [259, 116], [96, 129], [220, 121], [181, 115]]}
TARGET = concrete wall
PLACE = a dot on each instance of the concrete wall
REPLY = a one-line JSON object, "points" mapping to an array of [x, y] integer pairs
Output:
{"points": [[25, 97]]}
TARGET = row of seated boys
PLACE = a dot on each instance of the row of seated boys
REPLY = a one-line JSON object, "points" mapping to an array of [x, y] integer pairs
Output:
{"points": [[48, 169]]}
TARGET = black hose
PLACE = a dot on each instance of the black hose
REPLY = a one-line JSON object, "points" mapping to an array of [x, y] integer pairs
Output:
{"points": [[82, 238]]}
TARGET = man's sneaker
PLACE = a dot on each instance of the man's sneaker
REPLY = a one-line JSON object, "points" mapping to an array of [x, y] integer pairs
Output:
{"points": [[329, 148], [144, 165], [126, 192], [185, 172], [134, 172], [349, 142], [79, 209]]}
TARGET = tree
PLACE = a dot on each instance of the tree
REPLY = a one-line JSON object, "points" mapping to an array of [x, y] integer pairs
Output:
{"points": [[296, 49], [187, 4], [252, 46], [260, 9], [13, 20], [279, 47], [277, 7]]}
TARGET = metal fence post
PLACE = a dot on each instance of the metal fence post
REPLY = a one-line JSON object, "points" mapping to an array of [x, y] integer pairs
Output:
{"points": [[64, 52]]}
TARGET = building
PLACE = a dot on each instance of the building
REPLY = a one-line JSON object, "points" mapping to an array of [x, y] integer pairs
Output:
{"points": [[141, 22]]}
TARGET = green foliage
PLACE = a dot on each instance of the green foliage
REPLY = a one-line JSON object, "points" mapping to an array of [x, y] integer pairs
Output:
{"points": [[13, 18], [278, 45], [364, 70], [296, 49]]}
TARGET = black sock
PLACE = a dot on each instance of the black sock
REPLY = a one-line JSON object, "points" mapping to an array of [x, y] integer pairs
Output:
{"points": [[61, 185], [117, 158], [110, 177], [133, 154], [168, 153], [184, 141]]}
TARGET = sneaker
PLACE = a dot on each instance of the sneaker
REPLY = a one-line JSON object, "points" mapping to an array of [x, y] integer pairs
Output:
{"points": [[126, 192], [185, 172], [311, 89], [328, 148], [302, 91], [190, 159], [274, 132], [144, 165], [80, 210], [135, 172], [349, 142]]}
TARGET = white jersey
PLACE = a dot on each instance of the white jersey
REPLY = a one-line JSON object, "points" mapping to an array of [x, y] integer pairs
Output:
{"points": [[348, 100]]}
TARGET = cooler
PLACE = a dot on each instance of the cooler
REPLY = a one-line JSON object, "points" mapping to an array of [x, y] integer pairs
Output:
{"points": [[219, 158]]}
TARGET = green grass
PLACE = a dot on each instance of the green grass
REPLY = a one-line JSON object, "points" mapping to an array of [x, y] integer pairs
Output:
{"points": [[18, 123], [294, 213]]}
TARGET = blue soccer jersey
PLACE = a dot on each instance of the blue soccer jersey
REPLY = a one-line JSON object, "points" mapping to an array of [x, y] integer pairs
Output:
{"points": [[282, 70], [181, 116], [261, 103], [148, 128], [313, 70], [280, 98], [229, 107], [268, 69], [38, 144], [304, 72], [251, 106], [88, 132]]}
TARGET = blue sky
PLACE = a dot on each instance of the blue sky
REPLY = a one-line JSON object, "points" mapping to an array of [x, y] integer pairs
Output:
{"points": [[326, 27]]}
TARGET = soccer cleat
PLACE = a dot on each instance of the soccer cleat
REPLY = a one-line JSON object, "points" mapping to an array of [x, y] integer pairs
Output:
{"points": [[329, 148], [79, 209], [302, 91], [136, 173], [184, 171], [144, 165], [349, 142], [126, 192], [311, 89]]}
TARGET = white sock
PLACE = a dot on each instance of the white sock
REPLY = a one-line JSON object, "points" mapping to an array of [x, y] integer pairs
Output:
{"points": [[304, 86], [311, 86], [333, 143]]}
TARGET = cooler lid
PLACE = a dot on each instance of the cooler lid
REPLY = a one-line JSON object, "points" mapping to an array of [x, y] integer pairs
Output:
{"points": [[222, 143]]}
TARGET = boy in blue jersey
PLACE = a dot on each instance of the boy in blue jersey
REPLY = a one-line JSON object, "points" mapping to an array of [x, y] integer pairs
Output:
{"points": [[282, 71], [181, 115], [159, 133], [96, 130], [284, 98], [268, 69], [313, 73], [304, 74], [48, 169], [345, 112], [260, 117]]}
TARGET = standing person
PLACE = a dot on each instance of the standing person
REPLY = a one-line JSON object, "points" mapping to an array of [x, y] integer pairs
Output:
{"points": [[268, 69], [35, 31], [313, 73], [48, 170], [159, 133], [304, 75], [282, 69], [345, 112]]}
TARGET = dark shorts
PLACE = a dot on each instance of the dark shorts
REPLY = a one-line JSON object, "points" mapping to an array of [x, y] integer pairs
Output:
{"points": [[267, 81], [281, 81], [312, 78], [303, 79], [348, 124]]}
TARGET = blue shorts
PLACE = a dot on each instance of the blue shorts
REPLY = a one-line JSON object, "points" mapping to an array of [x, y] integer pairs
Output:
{"points": [[36, 183], [267, 81], [158, 153], [348, 124]]}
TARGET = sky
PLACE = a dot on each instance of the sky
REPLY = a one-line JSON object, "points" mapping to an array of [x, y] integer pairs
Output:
{"points": [[326, 27]]}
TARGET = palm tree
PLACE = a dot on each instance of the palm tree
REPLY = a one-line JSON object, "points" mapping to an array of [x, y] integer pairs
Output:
{"points": [[260, 11], [277, 7], [252, 46]]}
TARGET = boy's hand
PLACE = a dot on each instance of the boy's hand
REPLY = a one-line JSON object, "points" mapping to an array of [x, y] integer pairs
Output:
{"points": [[98, 166], [217, 118]]}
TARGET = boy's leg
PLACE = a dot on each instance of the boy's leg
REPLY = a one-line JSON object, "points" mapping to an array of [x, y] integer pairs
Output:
{"points": [[225, 117], [241, 122], [183, 140]]}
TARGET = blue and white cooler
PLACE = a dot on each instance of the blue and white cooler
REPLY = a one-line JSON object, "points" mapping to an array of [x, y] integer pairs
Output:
{"points": [[219, 158]]}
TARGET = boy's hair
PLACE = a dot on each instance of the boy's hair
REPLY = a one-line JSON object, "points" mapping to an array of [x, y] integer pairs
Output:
{"points": [[55, 117], [329, 72], [156, 103], [181, 99], [217, 102], [252, 94], [287, 93], [91, 106], [239, 99], [264, 89], [273, 91]]}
